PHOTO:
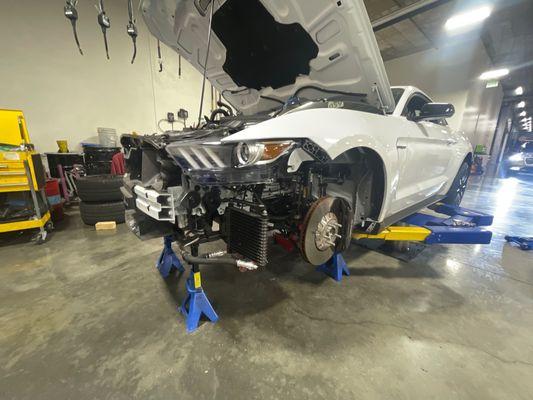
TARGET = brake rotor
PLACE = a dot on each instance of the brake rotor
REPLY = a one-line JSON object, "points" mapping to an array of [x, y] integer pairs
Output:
{"points": [[320, 232]]}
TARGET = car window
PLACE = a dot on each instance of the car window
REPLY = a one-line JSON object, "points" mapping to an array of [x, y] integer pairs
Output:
{"points": [[414, 106], [397, 93], [528, 147]]}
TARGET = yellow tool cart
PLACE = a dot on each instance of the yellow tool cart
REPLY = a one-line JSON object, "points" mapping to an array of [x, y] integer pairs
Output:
{"points": [[23, 202]]}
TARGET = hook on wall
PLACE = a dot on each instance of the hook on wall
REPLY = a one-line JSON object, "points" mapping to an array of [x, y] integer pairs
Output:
{"points": [[71, 13], [159, 58], [105, 24], [132, 29]]}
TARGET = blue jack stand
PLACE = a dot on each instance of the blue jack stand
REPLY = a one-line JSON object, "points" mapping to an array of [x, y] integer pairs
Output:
{"points": [[336, 267], [168, 260], [196, 303]]}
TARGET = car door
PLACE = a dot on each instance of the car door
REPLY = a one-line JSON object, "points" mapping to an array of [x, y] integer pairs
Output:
{"points": [[426, 152]]}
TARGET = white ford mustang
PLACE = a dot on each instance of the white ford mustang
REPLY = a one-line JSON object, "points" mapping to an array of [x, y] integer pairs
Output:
{"points": [[313, 144]]}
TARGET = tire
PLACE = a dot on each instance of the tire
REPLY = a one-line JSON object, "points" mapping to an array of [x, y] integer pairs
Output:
{"points": [[91, 213], [99, 188], [458, 188]]}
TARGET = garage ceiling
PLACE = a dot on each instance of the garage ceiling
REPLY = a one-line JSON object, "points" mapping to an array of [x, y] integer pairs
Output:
{"points": [[507, 35]]}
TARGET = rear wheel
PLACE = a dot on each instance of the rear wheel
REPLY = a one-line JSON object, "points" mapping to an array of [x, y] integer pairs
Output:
{"points": [[458, 188]]}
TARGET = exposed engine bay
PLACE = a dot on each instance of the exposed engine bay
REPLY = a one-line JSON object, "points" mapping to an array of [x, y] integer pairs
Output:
{"points": [[193, 185]]}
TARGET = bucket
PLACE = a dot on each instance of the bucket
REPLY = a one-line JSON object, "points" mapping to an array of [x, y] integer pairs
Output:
{"points": [[107, 137]]}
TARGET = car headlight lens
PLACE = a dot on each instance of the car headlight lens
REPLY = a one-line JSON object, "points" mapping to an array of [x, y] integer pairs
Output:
{"points": [[516, 157], [261, 152]]}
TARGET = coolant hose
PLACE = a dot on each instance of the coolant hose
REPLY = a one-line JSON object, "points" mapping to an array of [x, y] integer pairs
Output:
{"points": [[202, 260], [248, 265]]}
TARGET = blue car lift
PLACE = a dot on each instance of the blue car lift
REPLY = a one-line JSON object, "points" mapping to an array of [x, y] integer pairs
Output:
{"points": [[460, 226]]}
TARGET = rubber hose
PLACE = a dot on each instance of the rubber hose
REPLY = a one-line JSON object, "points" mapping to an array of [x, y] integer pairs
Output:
{"points": [[209, 261]]}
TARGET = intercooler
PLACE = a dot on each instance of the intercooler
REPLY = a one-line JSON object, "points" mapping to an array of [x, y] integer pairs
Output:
{"points": [[247, 234]]}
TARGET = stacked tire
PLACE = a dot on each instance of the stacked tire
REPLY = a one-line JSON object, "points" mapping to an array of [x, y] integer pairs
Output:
{"points": [[101, 199]]}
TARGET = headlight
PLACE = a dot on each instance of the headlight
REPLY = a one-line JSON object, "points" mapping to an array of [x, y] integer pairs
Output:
{"points": [[516, 157], [260, 152]]}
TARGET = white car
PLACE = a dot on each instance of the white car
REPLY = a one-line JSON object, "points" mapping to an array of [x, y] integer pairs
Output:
{"points": [[319, 146], [521, 161]]}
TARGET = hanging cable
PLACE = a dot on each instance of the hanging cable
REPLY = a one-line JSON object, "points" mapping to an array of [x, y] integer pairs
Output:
{"points": [[105, 24], [72, 14], [159, 58], [206, 60], [179, 65], [132, 29]]}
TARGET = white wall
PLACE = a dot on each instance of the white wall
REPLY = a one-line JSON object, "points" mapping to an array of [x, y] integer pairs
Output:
{"points": [[450, 74], [67, 96]]}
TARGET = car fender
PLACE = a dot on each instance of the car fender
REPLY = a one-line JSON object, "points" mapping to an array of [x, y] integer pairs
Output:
{"points": [[337, 131]]}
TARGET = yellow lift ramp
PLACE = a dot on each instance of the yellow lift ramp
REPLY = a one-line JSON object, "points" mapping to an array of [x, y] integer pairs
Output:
{"points": [[398, 233], [449, 224]]}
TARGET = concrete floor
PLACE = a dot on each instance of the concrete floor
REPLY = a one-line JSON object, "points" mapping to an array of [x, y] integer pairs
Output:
{"points": [[87, 316]]}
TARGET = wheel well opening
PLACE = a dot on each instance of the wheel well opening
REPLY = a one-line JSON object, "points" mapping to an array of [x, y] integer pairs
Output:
{"points": [[366, 180]]}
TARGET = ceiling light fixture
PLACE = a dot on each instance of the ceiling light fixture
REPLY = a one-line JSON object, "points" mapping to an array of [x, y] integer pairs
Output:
{"points": [[519, 91], [468, 18], [522, 104], [494, 74], [522, 114]]}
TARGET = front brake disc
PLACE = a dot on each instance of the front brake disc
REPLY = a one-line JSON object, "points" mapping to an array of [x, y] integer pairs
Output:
{"points": [[320, 231]]}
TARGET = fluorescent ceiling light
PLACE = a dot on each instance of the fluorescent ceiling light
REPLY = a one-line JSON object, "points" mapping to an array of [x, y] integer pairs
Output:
{"points": [[468, 18], [522, 114], [519, 91], [522, 104], [494, 74]]}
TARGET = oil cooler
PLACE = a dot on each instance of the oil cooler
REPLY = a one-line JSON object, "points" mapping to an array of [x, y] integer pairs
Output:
{"points": [[247, 234]]}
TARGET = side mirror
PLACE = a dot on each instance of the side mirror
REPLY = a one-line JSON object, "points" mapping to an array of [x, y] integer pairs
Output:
{"points": [[436, 111]]}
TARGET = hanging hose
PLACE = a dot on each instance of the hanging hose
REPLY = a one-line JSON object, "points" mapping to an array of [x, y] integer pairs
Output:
{"points": [[72, 14], [159, 58], [206, 60], [105, 24], [132, 29]]}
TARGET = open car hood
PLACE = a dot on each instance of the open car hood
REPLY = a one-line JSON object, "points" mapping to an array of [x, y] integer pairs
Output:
{"points": [[263, 52]]}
